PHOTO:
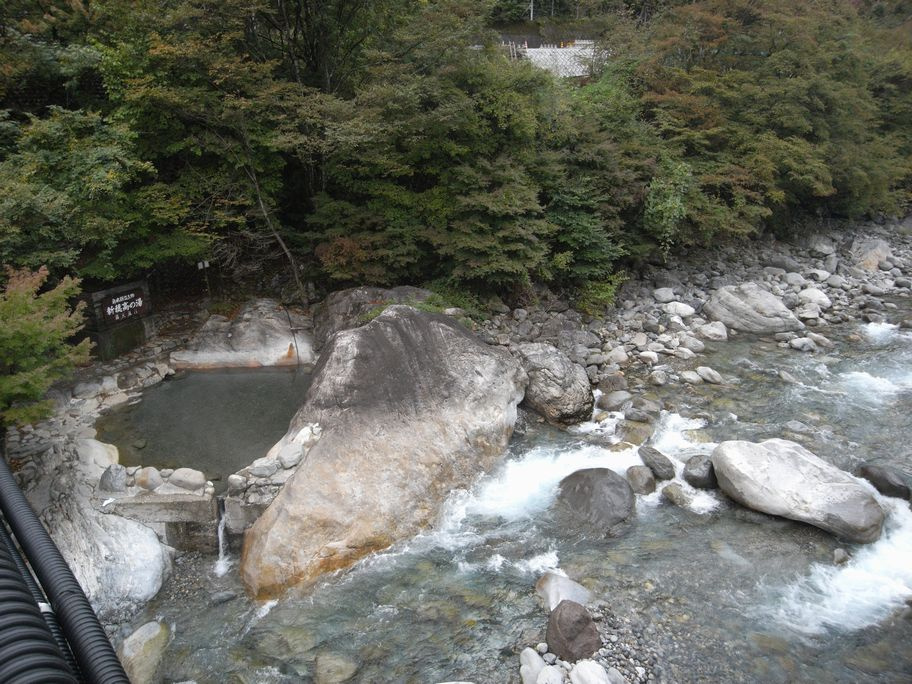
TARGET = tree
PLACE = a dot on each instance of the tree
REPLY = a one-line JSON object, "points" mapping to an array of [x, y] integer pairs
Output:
{"points": [[35, 329], [70, 200]]}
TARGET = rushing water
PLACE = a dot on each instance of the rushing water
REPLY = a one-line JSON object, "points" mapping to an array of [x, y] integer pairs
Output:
{"points": [[214, 421], [726, 594]]}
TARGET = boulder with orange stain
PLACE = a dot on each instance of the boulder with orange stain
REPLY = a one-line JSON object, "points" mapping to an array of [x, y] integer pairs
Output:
{"points": [[412, 406]]}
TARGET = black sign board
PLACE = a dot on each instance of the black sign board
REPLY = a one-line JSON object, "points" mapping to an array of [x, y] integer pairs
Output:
{"points": [[121, 304]]}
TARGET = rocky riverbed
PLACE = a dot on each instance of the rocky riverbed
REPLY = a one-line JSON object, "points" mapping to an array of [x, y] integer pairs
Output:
{"points": [[729, 344]]}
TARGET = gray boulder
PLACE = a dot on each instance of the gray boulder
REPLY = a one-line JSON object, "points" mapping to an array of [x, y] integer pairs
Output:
{"points": [[641, 479], [558, 388], [750, 308], [141, 652], [783, 478], [572, 634], [113, 479], [658, 462], [674, 493], [346, 309], [597, 496], [699, 473], [411, 406], [263, 333], [886, 480], [614, 401]]}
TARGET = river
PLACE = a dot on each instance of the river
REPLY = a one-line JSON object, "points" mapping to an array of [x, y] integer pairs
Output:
{"points": [[719, 593]]}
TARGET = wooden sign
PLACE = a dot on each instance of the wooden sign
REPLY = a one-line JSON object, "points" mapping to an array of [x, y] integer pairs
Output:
{"points": [[121, 304]]}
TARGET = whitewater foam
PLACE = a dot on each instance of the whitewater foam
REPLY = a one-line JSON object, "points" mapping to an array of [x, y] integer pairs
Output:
{"points": [[863, 592]]}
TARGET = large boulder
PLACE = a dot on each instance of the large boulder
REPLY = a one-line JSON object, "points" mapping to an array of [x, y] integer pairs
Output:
{"points": [[345, 309], [598, 496], [783, 478], [119, 563], [411, 406], [572, 634], [263, 333], [558, 388], [750, 308]]}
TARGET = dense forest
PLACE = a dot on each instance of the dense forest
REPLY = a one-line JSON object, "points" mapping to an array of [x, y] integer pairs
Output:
{"points": [[394, 141]]}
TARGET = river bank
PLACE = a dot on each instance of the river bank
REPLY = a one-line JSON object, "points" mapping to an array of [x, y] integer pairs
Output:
{"points": [[657, 357]]}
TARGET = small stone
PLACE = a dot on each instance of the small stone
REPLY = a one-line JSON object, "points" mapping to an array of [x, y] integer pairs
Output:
{"points": [[709, 375], [714, 331], [659, 378], [588, 672], [684, 353], [699, 473], [554, 588], [113, 479], [187, 478], [679, 309], [236, 483], [333, 668], [141, 652], [658, 462], [541, 647], [691, 377], [550, 675], [804, 344], [692, 344], [221, 597], [674, 493], [549, 658], [530, 665], [148, 478], [886, 480], [641, 479], [616, 677], [840, 556], [663, 295], [290, 455], [614, 401]]}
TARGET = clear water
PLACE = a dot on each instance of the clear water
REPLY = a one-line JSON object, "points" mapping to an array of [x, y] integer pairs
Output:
{"points": [[726, 595], [214, 421]]}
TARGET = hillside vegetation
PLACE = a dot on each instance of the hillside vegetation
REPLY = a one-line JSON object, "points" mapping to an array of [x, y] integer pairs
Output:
{"points": [[393, 141]]}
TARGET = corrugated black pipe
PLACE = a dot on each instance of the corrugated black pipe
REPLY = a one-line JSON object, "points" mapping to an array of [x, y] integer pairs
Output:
{"points": [[40, 599], [28, 652], [97, 660]]}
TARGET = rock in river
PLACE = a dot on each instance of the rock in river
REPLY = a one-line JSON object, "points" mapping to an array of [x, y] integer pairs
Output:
{"points": [[886, 480], [411, 406], [572, 635], [558, 388], [750, 308], [598, 496], [783, 478]]}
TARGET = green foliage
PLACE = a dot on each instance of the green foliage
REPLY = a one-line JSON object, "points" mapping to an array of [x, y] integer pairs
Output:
{"points": [[393, 141], [69, 199], [35, 328], [595, 297]]}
